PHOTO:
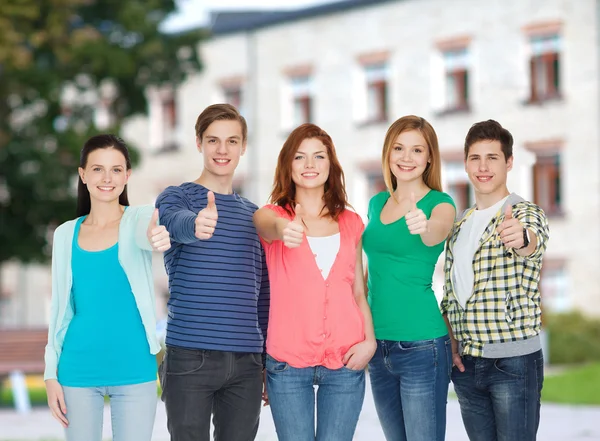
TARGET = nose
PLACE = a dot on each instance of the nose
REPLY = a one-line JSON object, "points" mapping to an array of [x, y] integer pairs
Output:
{"points": [[309, 163], [221, 149], [107, 176], [483, 165]]}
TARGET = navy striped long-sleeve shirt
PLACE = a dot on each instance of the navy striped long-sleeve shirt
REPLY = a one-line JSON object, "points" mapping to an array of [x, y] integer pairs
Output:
{"points": [[219, 288]]}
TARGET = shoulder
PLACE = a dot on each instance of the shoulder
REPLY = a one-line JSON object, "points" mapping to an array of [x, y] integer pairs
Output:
{"points": [[523, 208], [352, 217], [379, 200], [135, 212], [249, 205], [65, 229], [280, 211], [439, 197], [183, 191]]}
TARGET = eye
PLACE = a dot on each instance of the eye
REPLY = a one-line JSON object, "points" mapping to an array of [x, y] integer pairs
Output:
{"points": [[212, 141], [117, 170], [96, 169], [320, 157], [233, 141], [298, 157], [418, 151], [397, 148]]}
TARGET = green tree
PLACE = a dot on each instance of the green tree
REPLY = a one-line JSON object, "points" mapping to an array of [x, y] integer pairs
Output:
{"points": [[51, 47]]}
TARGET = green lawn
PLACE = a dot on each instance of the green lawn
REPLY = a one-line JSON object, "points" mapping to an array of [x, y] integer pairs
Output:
{"points": [[579, 385]]}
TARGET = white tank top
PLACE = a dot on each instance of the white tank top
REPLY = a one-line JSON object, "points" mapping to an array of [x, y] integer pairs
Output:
{"points": [[324, 249]]}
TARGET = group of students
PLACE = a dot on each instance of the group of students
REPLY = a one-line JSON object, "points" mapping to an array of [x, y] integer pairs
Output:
{"points": [[265, 304]]}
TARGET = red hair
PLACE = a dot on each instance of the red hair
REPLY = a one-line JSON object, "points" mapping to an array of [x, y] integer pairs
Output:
{"points": [[284, 188]]}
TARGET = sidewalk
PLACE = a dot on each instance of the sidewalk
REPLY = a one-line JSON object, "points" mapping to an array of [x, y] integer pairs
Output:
{"points": [[558, 423]]}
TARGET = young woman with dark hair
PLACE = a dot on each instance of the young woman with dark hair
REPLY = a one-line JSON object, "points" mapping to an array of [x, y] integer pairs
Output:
{"points": [[101, 337], [320, 330]]}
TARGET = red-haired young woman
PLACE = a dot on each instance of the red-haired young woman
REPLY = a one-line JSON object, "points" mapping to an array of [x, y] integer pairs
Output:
{"points": [[320, 328]]}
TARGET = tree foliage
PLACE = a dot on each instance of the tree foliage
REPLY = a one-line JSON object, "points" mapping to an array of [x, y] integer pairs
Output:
{"points": [[59, 59]]}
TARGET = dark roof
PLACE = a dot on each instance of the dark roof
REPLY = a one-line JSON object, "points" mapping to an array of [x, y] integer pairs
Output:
{"points": [[226, 22]]}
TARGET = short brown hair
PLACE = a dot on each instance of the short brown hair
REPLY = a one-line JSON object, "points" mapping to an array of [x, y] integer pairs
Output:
{"points": [[219, 112], [490, 130], [432, 176], [284, 188]]}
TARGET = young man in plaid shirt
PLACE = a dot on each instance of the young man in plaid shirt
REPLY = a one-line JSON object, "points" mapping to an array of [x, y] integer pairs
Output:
{"points": [[491, 297]]}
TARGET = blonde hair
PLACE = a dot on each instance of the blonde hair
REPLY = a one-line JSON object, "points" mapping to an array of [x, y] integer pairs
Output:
{"points": [[432, 176]]}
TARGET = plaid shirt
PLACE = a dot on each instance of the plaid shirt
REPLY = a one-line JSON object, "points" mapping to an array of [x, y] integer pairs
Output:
{"points": [[505, 303]]}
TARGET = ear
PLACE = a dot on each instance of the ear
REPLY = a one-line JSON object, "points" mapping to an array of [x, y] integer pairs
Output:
{"points": [[81, 174], [509, 164], [199, 144], [244, 145], [128, 174]]}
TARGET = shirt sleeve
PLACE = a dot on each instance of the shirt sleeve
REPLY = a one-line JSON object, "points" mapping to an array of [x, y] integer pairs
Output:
{"points": [[534, 219], [264, 301], [175, 214]]}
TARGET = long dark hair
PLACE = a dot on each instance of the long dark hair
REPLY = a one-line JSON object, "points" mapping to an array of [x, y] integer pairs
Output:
{"points": [[284, 188], [84, 203]]}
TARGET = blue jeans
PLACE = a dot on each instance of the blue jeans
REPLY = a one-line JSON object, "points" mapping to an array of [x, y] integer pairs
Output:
{"points": [[292, 396], [132, 411], [410, 382], [500, 397]]}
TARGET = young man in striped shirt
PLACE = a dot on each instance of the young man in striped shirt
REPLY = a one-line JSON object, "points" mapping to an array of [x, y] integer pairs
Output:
{"points": [[491, 298], [219, 293]]}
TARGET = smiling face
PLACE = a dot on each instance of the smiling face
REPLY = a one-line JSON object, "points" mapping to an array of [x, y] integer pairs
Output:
{"points": [[105, 174], [222, 145], [310, 167], [409, 156], [488, 168]]}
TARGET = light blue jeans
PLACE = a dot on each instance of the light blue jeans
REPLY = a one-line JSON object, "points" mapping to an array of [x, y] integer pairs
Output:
{"points": [[339, 401], [132, 411]]}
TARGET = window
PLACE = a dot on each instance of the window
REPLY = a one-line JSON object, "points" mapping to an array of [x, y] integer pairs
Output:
{"points": [[554, 286], [458, 185], [375, 183], [376, 78], [301, 99], [170, 112], [544, 67], [456, 80], [232, 94], [546, 182]]}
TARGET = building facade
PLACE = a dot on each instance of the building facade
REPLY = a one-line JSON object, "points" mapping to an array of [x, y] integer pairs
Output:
{"points": [[353, 67]]}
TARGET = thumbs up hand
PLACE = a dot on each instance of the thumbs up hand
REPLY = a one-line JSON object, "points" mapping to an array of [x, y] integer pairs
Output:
{"points": [[416, 221], [293, 232], [206, 221], [158, 236], [511, 230]]}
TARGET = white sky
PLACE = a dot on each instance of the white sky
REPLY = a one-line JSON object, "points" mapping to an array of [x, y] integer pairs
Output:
{"points": [[193, 13]]}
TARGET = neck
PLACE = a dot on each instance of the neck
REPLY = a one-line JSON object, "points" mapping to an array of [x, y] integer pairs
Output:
{"points": [[404, 189], [311, 200], [218, 184], [104, 213], [484, 201]]}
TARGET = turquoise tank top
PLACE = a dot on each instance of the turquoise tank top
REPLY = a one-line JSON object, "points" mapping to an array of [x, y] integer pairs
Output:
{"points": [[106, 343]]}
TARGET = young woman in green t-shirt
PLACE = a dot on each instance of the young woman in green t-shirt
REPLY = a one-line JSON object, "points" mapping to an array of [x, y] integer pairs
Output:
{"points": [[408, 224]]}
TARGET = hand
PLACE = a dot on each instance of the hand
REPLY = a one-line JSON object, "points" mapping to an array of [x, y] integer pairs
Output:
{"points": [[206, 221], [416, 221], [511, 230], [293, 232], [56, 402], [359, 355], [158, 236], [265, 394], [457, 361]]}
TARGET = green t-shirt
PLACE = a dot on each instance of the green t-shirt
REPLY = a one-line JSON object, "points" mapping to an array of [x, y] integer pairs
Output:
{"points": [[401, 269]]}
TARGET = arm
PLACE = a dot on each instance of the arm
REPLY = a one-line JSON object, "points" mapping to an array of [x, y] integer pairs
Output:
{"points": [[264, 300], [526, 216], [359, 355], [176, 216], [54, 391], [439, 224], [456, 358], [269, 225]]}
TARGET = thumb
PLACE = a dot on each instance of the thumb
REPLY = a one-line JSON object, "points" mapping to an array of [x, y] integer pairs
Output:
{"points": [[347, 356], [298, 211], [508, 213], [62, 404], [413, 201], [154, 219], [211, 205]]}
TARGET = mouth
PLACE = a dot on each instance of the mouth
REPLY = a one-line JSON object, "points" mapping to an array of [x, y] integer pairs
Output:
{"points": [[484, 179], [404, 168], [221, 162], [106, 189], [310, 175]]}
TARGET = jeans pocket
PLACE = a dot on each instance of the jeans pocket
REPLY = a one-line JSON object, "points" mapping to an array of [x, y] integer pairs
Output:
{"points": [[256, 358], [448, 354], [184, 361], [515, 367], [417, 345], [274, 366]]}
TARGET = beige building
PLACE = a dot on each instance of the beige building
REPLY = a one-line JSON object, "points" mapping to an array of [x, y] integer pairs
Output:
{"points": [[355, 66]]}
